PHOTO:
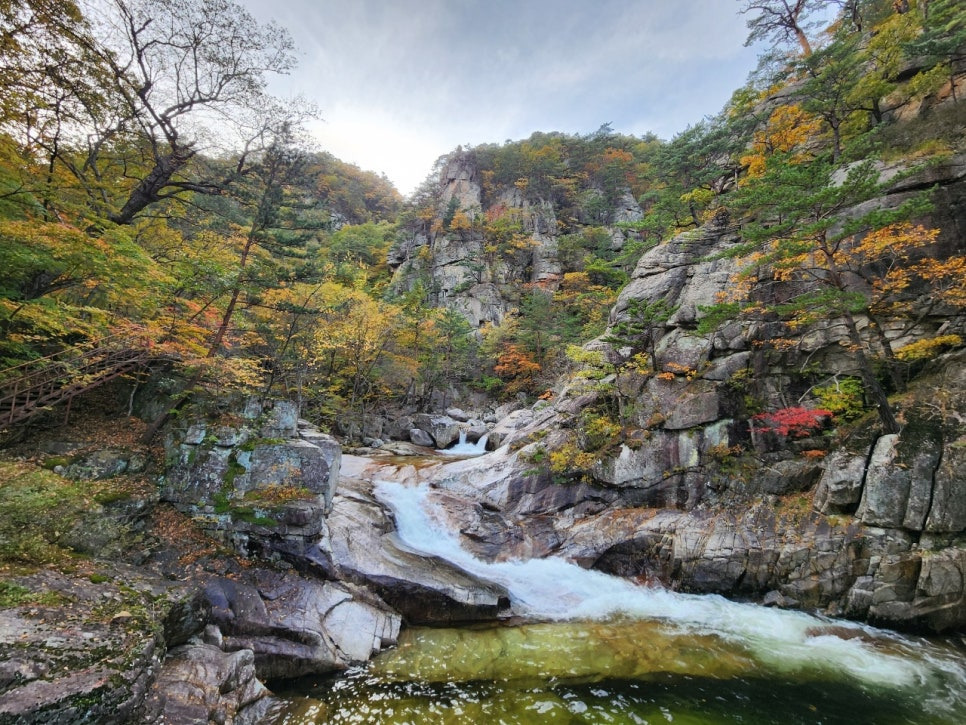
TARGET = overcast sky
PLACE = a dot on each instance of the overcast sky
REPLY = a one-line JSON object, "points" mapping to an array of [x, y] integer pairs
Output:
{"points": [[401, 82]]}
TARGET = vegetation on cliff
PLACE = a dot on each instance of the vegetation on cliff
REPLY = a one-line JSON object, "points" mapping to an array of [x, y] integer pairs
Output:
{"points": [[251, 261]]}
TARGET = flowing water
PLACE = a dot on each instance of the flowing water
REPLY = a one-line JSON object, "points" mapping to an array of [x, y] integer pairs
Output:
{"points": [[591, 648], [463, 447]]}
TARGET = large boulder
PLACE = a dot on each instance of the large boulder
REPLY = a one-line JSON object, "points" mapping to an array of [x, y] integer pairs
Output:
{"points": [[362, 547], [442, 429], [201, 683], [297, 626]]}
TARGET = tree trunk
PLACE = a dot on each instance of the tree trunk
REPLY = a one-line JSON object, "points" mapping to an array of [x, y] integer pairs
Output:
{"points": [[869, 381], [148, 190]]}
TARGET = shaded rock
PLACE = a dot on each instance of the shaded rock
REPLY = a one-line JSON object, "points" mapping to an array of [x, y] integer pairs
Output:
{"points": [[786, 477], [948, 510], [899, 480], [840, 486], [200, 683], [399, 428], [420, 437], [777, 599], [105, 463]]}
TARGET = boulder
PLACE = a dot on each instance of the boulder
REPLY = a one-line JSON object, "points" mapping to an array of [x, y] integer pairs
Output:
{"points": [[297, 626], [443, 429], [200, 683], [458, 414], [420, 437], [202, 471], [399, 428], [362, 547], [105, 463]]}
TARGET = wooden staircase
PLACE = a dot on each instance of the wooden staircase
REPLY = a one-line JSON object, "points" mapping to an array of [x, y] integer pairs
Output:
{"points": [[38, 385]]}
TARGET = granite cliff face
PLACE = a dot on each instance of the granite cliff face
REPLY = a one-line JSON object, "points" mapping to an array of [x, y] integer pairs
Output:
{"points": [[856, 524], [463, 270]]}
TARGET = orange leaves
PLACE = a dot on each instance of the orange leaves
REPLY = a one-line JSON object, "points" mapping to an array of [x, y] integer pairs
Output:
{"points": [[789, 129], [517, 368], [461, 222], [895, 240]]}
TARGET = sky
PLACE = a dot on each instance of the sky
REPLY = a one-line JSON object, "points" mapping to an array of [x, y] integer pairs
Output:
{"points": [[398, 83]]}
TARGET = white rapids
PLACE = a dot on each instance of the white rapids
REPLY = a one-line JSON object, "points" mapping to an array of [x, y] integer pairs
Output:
{"points": [[783, 641]]}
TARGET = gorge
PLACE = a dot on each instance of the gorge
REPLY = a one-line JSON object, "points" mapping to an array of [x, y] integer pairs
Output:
{"points": [[591, 428]]}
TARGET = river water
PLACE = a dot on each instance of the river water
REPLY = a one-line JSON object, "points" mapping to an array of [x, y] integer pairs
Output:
{"points": [[585, 647]]}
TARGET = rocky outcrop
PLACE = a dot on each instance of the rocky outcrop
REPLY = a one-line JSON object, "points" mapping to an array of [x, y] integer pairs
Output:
{"points": [[297, 626], [463, 270], [263, 484], [361, 546], [201, 683], [79, 650]]}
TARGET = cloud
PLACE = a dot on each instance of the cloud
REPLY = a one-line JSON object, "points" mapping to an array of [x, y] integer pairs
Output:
{"points": [[400, 82]]}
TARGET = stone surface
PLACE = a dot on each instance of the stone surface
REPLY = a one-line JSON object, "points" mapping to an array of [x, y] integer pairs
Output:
{"points": [[83, 656], [200, 683], [105, 463], [899, 480], [362, 547], [840, 487], [948, 510], [297, 626], [442, 429], [420, 437]]}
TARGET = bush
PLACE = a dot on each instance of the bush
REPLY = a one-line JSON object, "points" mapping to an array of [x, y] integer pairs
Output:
{"points": [[843, 398], [795, 422]]}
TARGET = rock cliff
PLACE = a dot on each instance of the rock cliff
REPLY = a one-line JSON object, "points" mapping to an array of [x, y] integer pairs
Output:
{"points": [[483, 277], [845, 520]]}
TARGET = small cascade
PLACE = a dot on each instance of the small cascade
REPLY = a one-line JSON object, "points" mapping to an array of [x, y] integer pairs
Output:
{"points": [[464, 448]]}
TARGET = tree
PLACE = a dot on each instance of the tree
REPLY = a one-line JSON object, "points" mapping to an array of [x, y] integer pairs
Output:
{"points": [[806, 262], [51, 90], [781, 20], [132, 96], [943, 38]]}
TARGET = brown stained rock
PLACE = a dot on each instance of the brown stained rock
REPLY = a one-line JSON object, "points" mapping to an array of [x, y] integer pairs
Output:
{"points": [[201, 683]]}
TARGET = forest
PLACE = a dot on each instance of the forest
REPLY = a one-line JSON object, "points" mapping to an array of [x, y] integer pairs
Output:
{"points": [[248, 260]]}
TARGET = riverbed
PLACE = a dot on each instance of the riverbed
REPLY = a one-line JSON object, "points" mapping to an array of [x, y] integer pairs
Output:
{"points": [[585, 647]]}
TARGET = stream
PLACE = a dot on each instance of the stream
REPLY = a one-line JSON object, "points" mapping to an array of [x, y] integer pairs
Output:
{"points": [[586, 647]]}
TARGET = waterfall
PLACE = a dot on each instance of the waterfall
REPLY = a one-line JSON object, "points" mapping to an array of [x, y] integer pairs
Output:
{"points": [[463, 448], [784, 641]]}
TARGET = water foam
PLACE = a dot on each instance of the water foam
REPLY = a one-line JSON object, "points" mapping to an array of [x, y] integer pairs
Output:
{"points": [[783, 641], [464, 448]]}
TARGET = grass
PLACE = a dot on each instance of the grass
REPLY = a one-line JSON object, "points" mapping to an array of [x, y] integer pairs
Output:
{"points": [[15, 595], [37, 508]]}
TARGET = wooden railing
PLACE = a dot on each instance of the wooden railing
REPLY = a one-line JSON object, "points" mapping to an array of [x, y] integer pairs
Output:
{"points": [[38, 385]]}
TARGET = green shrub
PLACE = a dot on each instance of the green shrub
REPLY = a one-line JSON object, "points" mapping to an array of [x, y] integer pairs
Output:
{"points": [[843, 398]]}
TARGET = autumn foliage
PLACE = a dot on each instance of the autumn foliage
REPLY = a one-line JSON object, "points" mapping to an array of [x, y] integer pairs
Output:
{"points": [[794, 422]]}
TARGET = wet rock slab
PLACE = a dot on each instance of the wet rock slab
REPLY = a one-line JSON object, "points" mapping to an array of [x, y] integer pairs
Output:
{"points": [[362, 546]]}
